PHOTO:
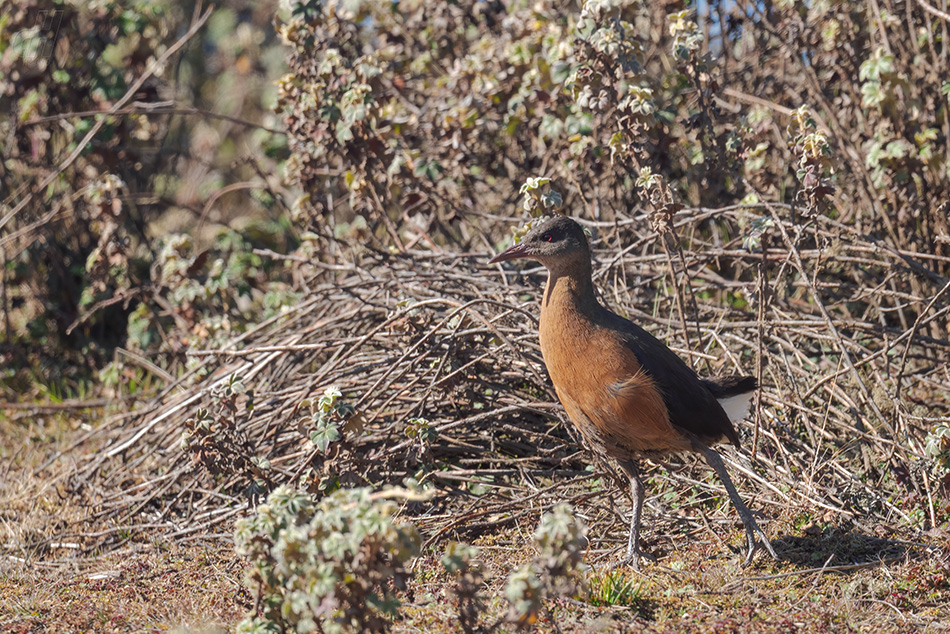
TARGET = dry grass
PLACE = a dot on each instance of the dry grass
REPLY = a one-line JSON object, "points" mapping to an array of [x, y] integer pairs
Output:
{"points": [[701, 589], [145, 589], [854, 379], [698, 587], [849, 395], [46, 585]]}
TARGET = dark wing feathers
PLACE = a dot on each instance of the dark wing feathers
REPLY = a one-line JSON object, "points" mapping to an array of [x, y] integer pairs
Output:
{"points": [[726, 386], [691, 401]]}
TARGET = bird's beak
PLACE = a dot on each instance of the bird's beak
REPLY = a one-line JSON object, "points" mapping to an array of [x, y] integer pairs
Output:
{"points": [[519, 250]]}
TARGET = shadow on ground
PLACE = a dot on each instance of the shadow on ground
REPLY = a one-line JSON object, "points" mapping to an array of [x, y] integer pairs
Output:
{"points": [[842, 547]]}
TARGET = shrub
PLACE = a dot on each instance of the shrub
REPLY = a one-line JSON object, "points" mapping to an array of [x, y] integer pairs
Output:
{"points": [[460, 560], [331, 566], [83, 220], [556, 571]]}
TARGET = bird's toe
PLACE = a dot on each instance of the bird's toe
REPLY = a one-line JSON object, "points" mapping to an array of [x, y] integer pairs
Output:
{"points": [[756, 541], [632, 559]]}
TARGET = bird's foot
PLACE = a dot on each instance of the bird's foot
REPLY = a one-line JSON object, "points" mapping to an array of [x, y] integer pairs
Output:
{"points": [[754, 536], [756, 540], [632, 560]]}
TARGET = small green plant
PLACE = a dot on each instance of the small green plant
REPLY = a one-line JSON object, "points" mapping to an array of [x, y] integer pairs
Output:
{"points": [[536, 200], [422, 432], [612, 587], [938, 445], [815, 160], [876, 74], [561, 539], [756, 232], [329, 424], [328, 416], [687, 38], [216, 440], [557, 570], [524, 593], [332, 566], [460, 560], [540, 201]]}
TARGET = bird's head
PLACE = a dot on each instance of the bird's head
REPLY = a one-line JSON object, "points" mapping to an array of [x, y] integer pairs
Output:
{"points": [[556, 243]]}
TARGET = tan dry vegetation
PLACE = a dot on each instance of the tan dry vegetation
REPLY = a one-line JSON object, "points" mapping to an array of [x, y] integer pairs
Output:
{"points": [[806, 245], [703, 590], [145, 589], [500, 455], [148, 585], [52, 584]]}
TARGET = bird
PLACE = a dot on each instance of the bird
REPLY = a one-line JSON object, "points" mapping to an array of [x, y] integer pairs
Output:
{"points": [[626, 392]]}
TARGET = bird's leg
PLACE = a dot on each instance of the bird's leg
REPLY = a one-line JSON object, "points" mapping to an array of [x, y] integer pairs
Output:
{"points": [[637, 491], [755, 537]]}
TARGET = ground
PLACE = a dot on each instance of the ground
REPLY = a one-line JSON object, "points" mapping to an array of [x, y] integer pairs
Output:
{"points": [[698, 585], [198, 589]]}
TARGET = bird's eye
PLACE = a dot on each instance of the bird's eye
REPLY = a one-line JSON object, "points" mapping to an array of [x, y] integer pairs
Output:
{"points": [[547, 237]]}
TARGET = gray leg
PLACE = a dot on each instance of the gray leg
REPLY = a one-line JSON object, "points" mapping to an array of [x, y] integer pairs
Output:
{"points": [[755, 537], [637, 491]]}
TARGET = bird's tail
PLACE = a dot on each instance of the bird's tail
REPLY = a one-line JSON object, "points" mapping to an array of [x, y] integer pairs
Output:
{"points": [[734, 393]]}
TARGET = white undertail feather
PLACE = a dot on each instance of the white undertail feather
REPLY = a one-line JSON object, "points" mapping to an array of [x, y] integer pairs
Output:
{"points": [[737, 407]]}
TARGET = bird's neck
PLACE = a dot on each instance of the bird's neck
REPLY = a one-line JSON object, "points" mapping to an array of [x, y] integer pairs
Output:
{"points": [[571, 286]]}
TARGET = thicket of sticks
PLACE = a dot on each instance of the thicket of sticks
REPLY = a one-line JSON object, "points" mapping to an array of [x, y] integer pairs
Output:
{"points": [[808, 143], [437, 352]]}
